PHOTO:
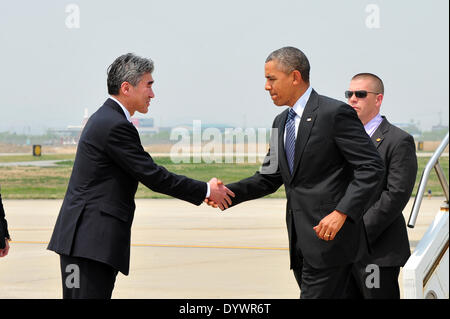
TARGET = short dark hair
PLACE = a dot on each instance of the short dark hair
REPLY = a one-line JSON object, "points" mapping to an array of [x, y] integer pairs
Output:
{"points": [[127, 68], [290, 59], [379, 86]]}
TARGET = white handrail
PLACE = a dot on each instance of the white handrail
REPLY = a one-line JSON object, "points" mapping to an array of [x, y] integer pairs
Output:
{"points": [[432, 163]]}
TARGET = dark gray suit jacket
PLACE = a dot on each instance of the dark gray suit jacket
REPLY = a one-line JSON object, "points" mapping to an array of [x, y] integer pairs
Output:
{"points": [[384, 221], [98, 209], [3, 225], [336, 166]]}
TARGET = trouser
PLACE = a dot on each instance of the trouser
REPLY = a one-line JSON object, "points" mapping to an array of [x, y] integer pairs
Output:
{"points": [[84, 278], [327, 283]]}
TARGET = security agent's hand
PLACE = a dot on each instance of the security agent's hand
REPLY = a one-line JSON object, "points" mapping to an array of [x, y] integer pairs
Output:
{"points": [[219, 194], [330, 225], [4, 251]]}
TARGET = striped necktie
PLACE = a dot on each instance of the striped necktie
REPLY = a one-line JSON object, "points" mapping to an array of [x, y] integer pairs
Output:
{"points": [[290, 139]]}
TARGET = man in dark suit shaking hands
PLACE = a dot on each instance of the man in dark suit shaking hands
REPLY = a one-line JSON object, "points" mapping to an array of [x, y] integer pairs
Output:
{"points": [[384, 221], [330, 169], [92, 231]]}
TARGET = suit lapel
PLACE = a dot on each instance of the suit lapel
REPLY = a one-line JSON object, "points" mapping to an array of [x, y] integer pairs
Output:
{"points": [[304, 129], [378, 136]]}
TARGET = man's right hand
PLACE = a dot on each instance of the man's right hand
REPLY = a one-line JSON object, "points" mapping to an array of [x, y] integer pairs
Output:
{"points": [[219, 194]]}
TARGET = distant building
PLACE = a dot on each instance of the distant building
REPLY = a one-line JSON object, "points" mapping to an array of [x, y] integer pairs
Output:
{"points": [[438, 128], [411, 128], [71, 134], [145, 126]]}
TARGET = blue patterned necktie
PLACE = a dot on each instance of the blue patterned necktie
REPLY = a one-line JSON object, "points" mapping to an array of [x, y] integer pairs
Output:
{"points": [[290, 139]]}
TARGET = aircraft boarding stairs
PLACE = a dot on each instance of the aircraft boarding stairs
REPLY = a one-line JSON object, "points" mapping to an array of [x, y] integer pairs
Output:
{"points": [[426, 273]]}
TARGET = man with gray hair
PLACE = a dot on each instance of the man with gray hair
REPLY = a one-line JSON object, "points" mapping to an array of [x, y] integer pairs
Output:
{"points": [[93, 229], [329, 167]]}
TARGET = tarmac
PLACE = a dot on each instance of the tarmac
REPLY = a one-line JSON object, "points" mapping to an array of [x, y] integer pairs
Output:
{"points": [[179, 251]]}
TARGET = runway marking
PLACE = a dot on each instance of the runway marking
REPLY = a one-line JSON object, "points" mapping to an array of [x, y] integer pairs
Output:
{"points": [[30, 229], [28, 242], [173, 246], [207, 246]]}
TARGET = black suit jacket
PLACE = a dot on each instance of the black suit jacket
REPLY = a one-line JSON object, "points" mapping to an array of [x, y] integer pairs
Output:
{"points": [[336, 166], [98, 209], [384, 221], [3, 225]]}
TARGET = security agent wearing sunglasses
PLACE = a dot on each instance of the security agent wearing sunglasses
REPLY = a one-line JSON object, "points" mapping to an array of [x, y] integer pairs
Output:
{"points": [[384, 221]]}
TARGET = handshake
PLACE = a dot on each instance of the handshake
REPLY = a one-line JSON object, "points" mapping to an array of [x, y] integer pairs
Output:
{"points": [[219, 195]]}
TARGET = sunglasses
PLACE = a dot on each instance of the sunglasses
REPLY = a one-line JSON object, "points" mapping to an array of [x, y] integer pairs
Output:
{"points": [[358, 94]]}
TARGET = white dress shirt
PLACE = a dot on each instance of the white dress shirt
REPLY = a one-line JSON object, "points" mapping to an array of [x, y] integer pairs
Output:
{"points": [[373, 124]]}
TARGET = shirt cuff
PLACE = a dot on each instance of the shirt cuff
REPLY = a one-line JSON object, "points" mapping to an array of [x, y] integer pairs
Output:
{"points": [[208, 191]]}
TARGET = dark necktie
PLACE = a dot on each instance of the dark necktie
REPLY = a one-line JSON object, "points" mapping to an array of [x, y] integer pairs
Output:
{"points": [[290, 139]]}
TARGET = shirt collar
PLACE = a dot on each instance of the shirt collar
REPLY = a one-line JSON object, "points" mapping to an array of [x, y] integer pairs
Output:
{"points": [[300, 105], [373, 124], [125, 111]]}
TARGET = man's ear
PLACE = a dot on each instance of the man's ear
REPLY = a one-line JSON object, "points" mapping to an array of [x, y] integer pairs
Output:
{"points": [[297, 77], [125, 88], [379, 100]]}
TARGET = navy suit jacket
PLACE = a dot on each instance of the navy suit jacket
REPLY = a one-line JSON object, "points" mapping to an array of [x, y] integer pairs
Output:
{"points": [[384, 221], [98, 209], [336, 167]]}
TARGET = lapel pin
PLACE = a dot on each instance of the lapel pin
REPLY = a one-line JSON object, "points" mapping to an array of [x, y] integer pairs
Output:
{"points": [[378, 139], [308, 119]]}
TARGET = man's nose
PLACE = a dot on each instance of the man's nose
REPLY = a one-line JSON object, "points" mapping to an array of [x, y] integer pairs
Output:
{"points": [[268, 87]]}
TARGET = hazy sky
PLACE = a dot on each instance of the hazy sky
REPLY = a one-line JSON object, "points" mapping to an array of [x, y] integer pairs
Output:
{"points": [[209, 56]]}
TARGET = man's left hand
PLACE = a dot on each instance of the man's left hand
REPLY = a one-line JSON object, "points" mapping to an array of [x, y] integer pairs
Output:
{"points": [[330, 225]]}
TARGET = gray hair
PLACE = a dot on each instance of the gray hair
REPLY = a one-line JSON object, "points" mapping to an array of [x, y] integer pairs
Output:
{"points": [[127, 68], [290, 59]]}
